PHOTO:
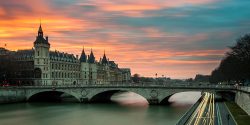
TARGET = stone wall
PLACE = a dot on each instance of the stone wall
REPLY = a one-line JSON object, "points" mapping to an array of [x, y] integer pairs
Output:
{"points": [[243, 100], [11, 95]]}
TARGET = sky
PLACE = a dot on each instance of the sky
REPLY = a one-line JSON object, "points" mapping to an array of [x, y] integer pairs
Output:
{"points": [[173, 38]]}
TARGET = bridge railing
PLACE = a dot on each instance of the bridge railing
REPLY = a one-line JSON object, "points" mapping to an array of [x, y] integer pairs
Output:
{"points": [[205, 86], [244, 88]]}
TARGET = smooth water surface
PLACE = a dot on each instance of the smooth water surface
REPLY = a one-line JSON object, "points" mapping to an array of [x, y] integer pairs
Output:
{"points": [[130, 110]]}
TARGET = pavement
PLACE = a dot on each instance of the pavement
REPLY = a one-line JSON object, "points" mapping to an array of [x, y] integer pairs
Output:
{"points": [[224, 115]]}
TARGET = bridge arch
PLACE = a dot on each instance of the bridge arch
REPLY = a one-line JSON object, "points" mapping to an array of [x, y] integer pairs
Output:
{"points": [[48, 95], [165, 100], [105, 95], [226, 95]]}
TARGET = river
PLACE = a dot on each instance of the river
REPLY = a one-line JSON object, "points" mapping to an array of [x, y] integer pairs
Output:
{"points": [[130, 109]]}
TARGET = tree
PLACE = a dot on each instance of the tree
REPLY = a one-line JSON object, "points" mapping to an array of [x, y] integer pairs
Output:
{"points": [[216, 76], [235, 66], [201, 78], [136, 78], [189, 80], [241, 53]]}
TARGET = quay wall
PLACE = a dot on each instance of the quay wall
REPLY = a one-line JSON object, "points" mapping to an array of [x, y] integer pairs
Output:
{"points": [[11, 95], [243, 100]]}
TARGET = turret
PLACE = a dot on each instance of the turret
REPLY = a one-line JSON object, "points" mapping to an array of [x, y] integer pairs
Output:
{"points": [[83, 57], [91, 58], [104, 59]]}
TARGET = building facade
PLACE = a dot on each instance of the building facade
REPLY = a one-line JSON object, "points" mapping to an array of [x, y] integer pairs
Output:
{"points": [[45, 67]]}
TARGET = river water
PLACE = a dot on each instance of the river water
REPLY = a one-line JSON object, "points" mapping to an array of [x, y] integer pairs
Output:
{"points": [[130, 109]]}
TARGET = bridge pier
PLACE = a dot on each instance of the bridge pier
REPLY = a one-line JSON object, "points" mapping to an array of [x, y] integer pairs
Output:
{"points": [[84, 100], [153, 101]]}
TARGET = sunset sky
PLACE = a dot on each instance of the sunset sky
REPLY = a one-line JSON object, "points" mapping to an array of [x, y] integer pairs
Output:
{"points": [[174, 38]]}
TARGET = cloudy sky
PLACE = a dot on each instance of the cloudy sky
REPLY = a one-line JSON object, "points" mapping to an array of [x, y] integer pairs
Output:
{"points": [[176, 38]]}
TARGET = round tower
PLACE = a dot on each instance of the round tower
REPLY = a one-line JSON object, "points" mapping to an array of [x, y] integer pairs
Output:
{"points": [[84, 68]]}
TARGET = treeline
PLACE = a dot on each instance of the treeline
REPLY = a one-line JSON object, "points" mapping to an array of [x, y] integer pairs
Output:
{"points": [[136, 78], [236, 64]]}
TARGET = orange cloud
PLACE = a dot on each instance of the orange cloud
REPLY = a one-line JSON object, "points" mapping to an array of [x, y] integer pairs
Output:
{"points": [[122, 43]]}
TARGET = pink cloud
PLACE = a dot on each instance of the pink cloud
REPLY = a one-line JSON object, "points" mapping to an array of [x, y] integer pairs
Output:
{"points": [[134, 8]]}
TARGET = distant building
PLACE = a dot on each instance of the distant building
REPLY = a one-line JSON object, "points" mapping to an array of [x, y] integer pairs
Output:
{"points": [[40, 66]]}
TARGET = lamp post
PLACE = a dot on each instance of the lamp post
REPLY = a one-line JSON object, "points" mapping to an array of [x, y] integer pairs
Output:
{"points": [[156, 78]]}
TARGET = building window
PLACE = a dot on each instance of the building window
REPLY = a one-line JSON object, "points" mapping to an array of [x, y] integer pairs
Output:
{"points": [[37, 53]]}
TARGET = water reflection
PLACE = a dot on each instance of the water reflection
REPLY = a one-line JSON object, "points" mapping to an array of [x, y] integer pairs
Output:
{"points": [[133, 110], [178, 99], [184, 98], [129, 99]]}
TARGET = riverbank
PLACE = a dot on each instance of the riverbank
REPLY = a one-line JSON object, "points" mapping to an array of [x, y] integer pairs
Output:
{"points": [[11, 95], [240, 116]]}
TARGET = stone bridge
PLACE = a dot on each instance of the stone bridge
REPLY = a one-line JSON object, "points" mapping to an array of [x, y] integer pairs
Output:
{"points": [[154, 94]]}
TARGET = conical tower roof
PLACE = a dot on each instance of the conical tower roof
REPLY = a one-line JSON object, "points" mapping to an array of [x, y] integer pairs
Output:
{"points": [[40, 38], [104, 59], [91, 58], [83, 57]]}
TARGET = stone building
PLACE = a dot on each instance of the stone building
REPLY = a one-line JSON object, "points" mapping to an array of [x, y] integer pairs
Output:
{"points": [[42, 66]]}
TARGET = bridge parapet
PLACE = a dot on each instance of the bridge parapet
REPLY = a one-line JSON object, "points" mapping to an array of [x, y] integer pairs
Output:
{"points": [[135, 85], [244, 88]]}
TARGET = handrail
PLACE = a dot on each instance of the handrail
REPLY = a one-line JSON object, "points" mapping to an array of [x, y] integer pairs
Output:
{"points": [[135, 85]]}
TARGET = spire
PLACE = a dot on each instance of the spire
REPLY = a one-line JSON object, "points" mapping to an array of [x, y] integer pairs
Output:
{"points": [[40, 30], [83, 57], [91, 52], [91, 58], [40, 38], [104, 59]]}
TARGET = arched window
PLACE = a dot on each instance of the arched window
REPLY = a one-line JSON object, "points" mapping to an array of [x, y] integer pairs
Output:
{"points": [[38, 73]]}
